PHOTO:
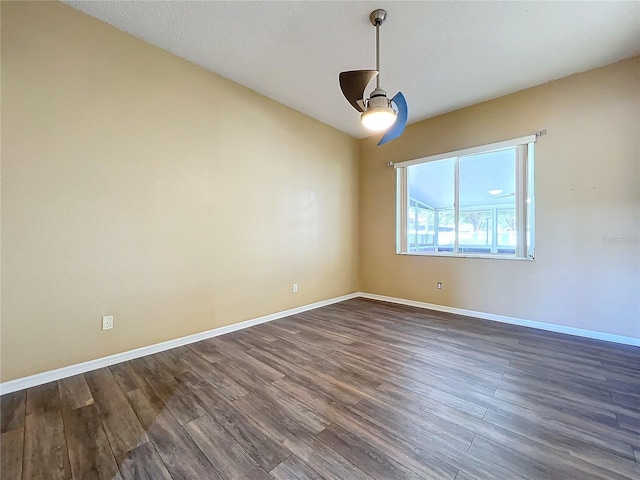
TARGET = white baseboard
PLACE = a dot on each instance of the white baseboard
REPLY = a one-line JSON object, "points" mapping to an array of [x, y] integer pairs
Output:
{"points": [[52, 375], [579, 332]]}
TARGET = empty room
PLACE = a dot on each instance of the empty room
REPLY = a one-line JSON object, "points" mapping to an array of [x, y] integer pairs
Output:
{"points": [[293, 240]]}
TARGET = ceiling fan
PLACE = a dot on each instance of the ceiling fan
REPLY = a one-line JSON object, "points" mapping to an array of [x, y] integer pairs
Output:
{"points": [[378, 112]]}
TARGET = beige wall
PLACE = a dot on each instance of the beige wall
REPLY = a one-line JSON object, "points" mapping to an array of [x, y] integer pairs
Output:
{"points": [[139, 185], [587, 187]]}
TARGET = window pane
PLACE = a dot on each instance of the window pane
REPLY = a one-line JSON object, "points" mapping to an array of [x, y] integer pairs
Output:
{"points": [[476, 232], [487, 185], [506, 229], [420, 227], [430, 218], [446, 232]]}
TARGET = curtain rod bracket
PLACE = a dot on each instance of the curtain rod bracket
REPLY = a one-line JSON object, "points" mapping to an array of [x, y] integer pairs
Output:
{"points": [[390, 164], [541, 133]]}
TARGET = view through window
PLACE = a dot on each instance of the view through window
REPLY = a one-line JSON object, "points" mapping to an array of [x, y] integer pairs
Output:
{"points": [[476, 202]]}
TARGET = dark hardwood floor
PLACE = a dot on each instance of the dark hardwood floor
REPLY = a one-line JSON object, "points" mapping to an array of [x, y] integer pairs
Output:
{"points": [[356, 390]]}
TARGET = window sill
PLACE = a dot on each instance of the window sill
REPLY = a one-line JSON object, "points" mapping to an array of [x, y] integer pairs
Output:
{"points": [[465, 255]]}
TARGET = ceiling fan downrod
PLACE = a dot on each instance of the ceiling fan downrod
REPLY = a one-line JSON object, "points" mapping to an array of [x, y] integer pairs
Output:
{"points": [[377, 18]]}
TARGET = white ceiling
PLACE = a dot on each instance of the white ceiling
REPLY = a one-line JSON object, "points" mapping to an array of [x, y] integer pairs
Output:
{"points": [[441, 55]]}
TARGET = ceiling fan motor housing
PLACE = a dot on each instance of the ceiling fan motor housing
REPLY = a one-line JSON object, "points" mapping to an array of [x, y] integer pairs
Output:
{"points": [[379, 114], [378, 99]]}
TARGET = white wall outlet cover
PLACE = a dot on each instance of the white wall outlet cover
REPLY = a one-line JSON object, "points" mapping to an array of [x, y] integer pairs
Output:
{"points": [[107, 322]]}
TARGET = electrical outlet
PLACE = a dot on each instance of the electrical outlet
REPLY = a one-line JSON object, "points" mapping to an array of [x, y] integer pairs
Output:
{"points": [[295, 288], [107, 322], [439, 285]]}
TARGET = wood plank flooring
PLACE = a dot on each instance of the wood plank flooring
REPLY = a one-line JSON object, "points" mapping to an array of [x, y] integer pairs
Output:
{"points": [[356, 390]]}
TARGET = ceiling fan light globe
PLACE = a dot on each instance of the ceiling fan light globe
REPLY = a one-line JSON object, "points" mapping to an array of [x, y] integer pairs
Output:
{"points": [[378, 119]]}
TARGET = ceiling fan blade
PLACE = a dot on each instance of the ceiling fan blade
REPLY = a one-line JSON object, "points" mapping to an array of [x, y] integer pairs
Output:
{"points": [[353, 84], [401, 120]]}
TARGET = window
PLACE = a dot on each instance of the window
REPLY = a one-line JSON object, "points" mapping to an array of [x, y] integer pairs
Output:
{"points": [[476, 202]]}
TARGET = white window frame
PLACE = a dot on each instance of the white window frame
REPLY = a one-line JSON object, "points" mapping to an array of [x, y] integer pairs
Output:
{"points": [[524, 197]]}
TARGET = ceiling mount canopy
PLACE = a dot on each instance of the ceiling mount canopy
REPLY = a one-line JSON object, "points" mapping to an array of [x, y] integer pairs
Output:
{"points": [[378, 112]]}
